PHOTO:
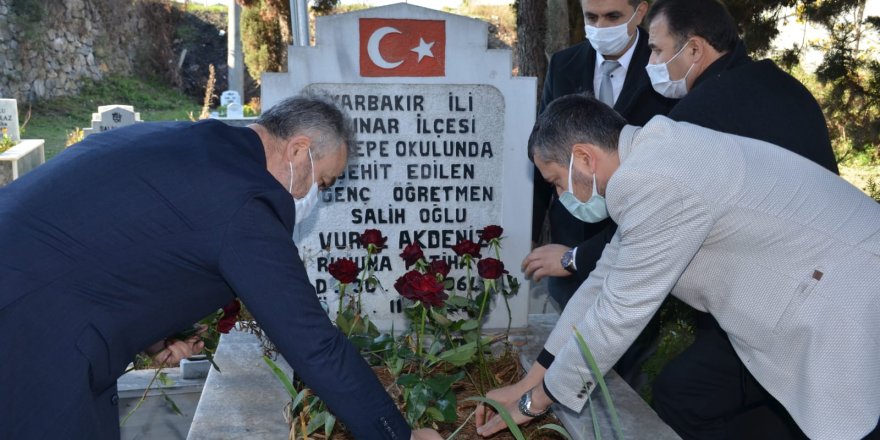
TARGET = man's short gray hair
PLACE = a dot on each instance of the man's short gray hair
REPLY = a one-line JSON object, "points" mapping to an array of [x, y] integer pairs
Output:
{"points": [[574, 119], [312, 115]]}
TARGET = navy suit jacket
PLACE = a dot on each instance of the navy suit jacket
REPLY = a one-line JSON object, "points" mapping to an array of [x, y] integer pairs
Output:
{"points": [[135, 234], [572, 70]]}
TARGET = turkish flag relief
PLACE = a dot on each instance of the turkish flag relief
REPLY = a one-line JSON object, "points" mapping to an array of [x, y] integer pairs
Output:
{"points": [[399, 47]]}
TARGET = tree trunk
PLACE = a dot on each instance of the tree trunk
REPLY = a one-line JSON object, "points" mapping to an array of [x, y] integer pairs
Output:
{"points": [[531, 32]]}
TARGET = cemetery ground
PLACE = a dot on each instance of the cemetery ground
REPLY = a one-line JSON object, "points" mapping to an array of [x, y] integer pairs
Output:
{"points": [[53, 120]]}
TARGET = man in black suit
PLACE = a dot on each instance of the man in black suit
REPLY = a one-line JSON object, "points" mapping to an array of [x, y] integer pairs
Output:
{"points": [[610, 65], [707, 392], [134, 234]]}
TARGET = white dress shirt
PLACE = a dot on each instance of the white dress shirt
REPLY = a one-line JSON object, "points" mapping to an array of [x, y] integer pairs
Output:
{"points": [[619, 74]]}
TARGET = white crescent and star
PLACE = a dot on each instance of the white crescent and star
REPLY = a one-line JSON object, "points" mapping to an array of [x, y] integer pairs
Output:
{"points": [[423, 49]]}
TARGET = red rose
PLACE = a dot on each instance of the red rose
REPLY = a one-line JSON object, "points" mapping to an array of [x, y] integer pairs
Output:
{"points": [[412, 253], [401, 284], [439, 267], [491, 232], [467, 247], [421, 287], [490, 268], [230, 316], [344, 270], [373, 237]]}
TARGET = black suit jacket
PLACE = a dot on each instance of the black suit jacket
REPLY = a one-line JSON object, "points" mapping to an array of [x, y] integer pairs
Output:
{"points": [[131, 236], [756, 99], [572, 71]]}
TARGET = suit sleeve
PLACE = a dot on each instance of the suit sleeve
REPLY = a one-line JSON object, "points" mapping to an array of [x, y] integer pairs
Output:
{"points": [[262, 265], [662, 226], [542, 194]]}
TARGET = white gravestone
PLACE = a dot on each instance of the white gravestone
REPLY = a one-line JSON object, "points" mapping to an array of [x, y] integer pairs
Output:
{"points": [[230, 97], [112, 116], [234, 111], [442, 130], [9, 118]]}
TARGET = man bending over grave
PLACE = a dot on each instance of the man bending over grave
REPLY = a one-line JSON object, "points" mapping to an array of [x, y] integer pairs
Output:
{"points": [[781, 251], [136, 233]]}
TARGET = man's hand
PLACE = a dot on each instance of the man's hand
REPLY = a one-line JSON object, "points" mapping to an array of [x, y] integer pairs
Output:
{"points": [[426, 434], [540, 402], [545, 261], [510, 395], [172, 351]]}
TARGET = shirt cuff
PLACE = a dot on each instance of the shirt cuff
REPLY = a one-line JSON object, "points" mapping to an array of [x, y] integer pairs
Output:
{"points": [[545, 358], [547, 392]]}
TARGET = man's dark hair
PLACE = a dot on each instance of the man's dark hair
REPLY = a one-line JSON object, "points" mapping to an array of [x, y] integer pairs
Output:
{"points": [[708, 19], [311, 115], [574, 119]]}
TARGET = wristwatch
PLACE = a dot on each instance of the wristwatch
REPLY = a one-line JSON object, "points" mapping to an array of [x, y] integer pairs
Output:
{"points": [[568, 260], [525, 406]]}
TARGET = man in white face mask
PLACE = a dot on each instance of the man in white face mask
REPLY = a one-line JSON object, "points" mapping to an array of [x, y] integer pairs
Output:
{"points": [[201, 214], [610, 65], [781, 251], [698, 57]]}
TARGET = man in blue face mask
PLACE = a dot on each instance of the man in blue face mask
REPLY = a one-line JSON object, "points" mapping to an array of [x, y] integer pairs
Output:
{"points": [[783, 253], [610, 65]]}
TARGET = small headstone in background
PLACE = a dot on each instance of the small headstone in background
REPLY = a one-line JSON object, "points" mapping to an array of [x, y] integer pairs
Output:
{"points": [[234, 111], [230, 97], [112, 116], [9, 118]]}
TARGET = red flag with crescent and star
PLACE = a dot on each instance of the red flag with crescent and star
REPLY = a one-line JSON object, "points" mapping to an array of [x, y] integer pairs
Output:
{"points": [[402, 47]]}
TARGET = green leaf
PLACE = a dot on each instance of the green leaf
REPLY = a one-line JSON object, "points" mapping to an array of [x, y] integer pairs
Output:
{"points": [[329, 424], [461, 355], [447, 406], [457, 301], [470, 324], [316, 421], [597, 374], [434, 413], [171, 404], [441, 384], [597, 433], [343, 322], [556, 428], [449, 284], [502, 411], [408, 380], [288, 385], [298, 399], [164, 380], [417, 401], [440, 318]]}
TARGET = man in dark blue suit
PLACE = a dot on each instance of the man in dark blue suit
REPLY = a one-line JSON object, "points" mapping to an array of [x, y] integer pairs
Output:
{"points": [[136, 233]]}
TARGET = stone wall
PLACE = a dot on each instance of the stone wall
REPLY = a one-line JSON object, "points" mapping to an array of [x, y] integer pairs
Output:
{"points": [[51, 48]]}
